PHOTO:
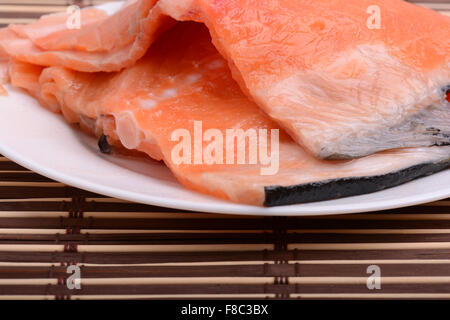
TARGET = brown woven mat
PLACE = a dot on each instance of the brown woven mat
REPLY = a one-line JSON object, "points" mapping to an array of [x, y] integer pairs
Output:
{"points": [[128, 250]]}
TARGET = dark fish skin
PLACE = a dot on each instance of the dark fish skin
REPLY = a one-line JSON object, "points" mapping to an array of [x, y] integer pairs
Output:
{"points": [[427, 128], [446, 89], [340, 188], [103, 145], [447, 92]]}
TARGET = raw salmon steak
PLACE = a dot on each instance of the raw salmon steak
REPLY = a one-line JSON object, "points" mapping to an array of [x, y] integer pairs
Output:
{"points": [[183, 83], [344, 78]]}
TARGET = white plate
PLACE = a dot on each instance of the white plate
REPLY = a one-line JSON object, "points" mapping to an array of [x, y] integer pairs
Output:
{"points": [[43, 142]]}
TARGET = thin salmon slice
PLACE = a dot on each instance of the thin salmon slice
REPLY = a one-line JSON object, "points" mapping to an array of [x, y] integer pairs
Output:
{"points": [[182, 82], [103, 43], [344, 78], [26, 76], [59, 32]]}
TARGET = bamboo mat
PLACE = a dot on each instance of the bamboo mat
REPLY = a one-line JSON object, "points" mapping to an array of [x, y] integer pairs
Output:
{"points": [[129, 250]]}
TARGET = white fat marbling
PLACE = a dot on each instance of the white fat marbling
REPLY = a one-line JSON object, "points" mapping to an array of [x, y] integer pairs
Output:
{"points": [[216, 64], [169, 93], [193, 78], [148, 104]]}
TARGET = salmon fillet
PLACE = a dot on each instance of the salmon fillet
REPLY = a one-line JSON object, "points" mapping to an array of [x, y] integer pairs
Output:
{"points": [[183, 81], [103, 43], [340, 85]]}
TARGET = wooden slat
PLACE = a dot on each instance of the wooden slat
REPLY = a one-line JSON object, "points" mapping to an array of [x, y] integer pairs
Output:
{"points": [[334, 256], [420, 271], [383, 240], [215, 288]]}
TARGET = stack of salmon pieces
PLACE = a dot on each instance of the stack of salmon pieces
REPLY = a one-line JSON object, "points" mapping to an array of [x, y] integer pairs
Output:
{"points": [[257, 102]]}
